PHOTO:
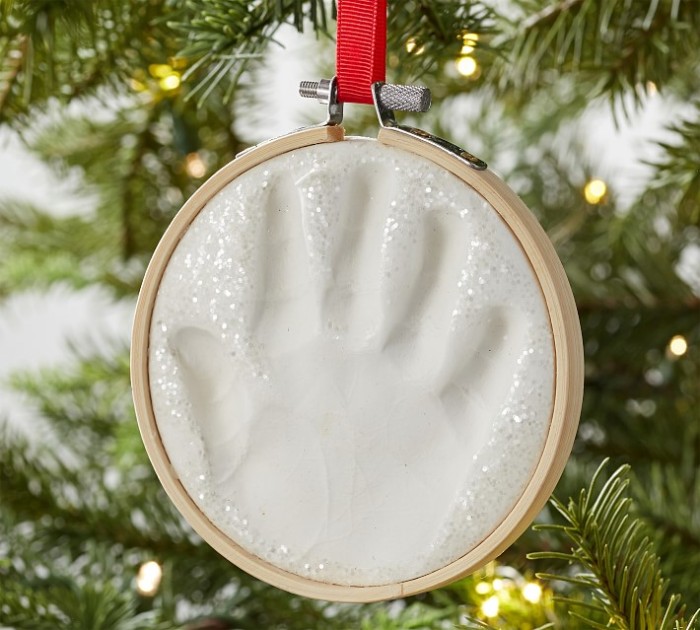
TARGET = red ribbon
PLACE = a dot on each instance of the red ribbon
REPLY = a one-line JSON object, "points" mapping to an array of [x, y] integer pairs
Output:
{"points": [[360, 49]]}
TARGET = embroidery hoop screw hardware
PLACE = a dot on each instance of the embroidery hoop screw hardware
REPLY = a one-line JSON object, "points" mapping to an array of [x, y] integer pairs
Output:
{"points": [[387, 119], [388, 98], [404, 98]]}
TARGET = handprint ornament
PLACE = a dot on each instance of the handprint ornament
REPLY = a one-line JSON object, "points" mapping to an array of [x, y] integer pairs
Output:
{"points": [[357, 365]]}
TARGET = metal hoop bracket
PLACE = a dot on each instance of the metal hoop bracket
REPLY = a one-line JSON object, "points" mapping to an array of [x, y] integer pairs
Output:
{"points": [[387, 99], [387, 120]]}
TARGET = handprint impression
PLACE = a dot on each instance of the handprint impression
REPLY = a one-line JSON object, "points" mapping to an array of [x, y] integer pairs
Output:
{"points": [[360, 339]]}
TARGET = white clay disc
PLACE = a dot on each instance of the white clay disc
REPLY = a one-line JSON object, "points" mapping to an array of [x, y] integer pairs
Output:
{"points": [[351, 364]]}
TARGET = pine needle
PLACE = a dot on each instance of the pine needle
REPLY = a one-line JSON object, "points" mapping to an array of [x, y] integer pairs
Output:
{"points": [[613, 558]]}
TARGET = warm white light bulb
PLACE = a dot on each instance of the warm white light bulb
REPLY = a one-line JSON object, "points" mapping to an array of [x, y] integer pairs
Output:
{"points": [[595, 190], [469, 41], [678, 346], [498, 584], [148, 578], [412, 47], [160, 70], [489, 608], [467, 66], [482, 588], [195, 165], [532, 592], [170, 82]]}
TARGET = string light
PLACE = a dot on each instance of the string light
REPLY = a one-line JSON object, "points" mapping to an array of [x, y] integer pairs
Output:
{"points": [[678, 346], [532, 592], [490, 606], [482, 588], [148, 578], [168, 77], [195, 166], [467, 66], [160, 70], [595, 190], [469, 41], [170, 82], [498, 584], [412, 47]]}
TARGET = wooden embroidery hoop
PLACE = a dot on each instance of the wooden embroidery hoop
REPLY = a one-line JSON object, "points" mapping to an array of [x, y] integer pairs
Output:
{"points": [[568, 367]]}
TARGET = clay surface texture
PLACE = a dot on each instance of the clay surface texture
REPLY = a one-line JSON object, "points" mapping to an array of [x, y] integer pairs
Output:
{"points": [[351, 364]]}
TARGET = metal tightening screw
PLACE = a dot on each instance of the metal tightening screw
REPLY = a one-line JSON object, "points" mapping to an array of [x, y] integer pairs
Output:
{"points": [[320, 90], [405, 98]]}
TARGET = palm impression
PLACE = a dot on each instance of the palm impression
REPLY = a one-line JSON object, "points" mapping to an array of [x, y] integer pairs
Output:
{"points": [[351, 364]]}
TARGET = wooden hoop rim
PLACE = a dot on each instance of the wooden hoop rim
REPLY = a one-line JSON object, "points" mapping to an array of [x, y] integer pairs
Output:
{"points": [[568, 352]]}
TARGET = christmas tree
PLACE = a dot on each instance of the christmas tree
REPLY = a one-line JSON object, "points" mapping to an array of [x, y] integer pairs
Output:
{"points": [[144, 99]]}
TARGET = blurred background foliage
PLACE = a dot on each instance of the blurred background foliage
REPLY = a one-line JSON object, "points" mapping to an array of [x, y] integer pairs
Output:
{"points": [[143, 99]]}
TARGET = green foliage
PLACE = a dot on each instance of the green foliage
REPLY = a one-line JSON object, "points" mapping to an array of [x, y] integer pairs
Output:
{"points": [[64, 49], [80, 507], [136, 159], [41, 249], [615, 47], [63, 603], [415, 616], [222, 36], [135, 163], [422, 35], [668, 497], [678, 174], [614, 558]]}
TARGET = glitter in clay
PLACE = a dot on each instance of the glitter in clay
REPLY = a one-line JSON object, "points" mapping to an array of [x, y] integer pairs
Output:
{"points": [[351, 364]]}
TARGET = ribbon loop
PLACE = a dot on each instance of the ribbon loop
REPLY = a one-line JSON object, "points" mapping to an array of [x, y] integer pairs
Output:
{"points": [[360, 49]]}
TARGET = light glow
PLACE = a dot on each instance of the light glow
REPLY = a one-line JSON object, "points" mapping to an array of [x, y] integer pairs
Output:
{"points": [[195, 166], [412, 47], [678, 346], [467, 66], [469, 41], [160, 70], [148, 578], [498, 584], [489, 608], [595, 190], [532, 592], [170, 82], [482, 588]]}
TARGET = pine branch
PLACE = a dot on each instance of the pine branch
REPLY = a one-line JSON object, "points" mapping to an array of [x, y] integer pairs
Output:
{"points": [[222, 36], [62, 602], [677, 175], [83, 405], [612, 46], [40, 250], [612, 257], [88, 413], [613, 558], [37, 483], [417, 616], [476, 624], [14, 51], [67, 49], [668, 497], [135, 162], [423, 36]]}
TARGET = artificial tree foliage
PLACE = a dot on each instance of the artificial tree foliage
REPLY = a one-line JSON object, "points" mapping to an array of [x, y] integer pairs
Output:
{"points": [[128, 93]]}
